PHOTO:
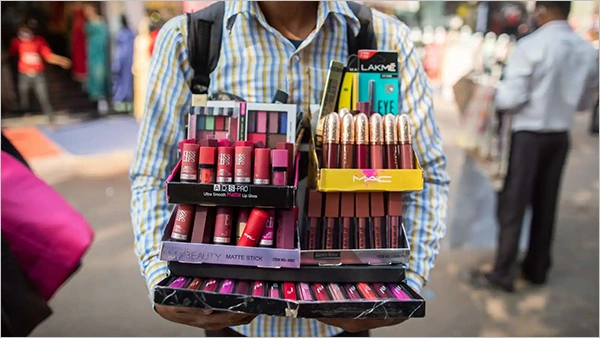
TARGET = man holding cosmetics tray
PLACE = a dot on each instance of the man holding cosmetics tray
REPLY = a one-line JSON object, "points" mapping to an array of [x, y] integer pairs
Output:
{"points": [[271, 46]]}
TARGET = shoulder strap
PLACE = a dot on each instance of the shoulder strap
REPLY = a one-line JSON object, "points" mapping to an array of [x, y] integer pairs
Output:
{"points": [[366, 36], [205, 28]]}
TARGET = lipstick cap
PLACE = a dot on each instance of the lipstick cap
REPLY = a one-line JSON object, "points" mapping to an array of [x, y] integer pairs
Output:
{"points": [[280, 158], [224, 142], [404, 126], [376, 129], [207, 155], [364, 107], [361, 129], [331, 132], [332, 204], [389, 129], [347, 132], [377, 204]]}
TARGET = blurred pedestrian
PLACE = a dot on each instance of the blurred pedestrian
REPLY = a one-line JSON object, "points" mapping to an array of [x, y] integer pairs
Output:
{"points": [[78, 53], [141, 66], [551, 74], [122, 80], [32, 50], [96, 32]]}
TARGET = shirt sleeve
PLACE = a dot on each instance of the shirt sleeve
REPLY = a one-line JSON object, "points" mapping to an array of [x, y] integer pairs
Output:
{"points": [[162, 127], [425, 211], [590, 93], [513, 91]]}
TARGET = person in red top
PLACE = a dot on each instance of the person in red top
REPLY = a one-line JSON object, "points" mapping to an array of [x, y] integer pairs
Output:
{"points": [[32, 51]]}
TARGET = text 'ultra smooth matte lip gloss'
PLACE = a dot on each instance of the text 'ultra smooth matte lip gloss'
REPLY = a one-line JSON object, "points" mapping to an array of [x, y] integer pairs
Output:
{"points": [[189, 163], [331, 139], [254, 228], [223, 225], [183, 222], [206, 164], [225, 157]]}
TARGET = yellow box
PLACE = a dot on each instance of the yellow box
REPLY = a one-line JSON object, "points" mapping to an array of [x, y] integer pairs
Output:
{"points": [[370, 180]]}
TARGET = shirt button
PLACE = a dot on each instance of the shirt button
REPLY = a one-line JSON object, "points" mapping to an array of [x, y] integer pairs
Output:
{"points": [[296, 57]]}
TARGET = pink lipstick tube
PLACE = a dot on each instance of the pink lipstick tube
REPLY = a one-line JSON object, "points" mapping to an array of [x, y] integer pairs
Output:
{"points": [[398, 292], [227, 286], [266, 239], [223, 224], [183, 222], [258, 289], [243, 165], [189, 162], [304, 290], [320, 292], [262, 166], [280, 166], [274, 291], [336, 292], [405, 136], [225, 157], [178, 283]]}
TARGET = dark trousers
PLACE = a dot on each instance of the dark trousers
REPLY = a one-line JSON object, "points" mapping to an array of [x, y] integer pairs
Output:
{"points": [[37, 82], [231, 333], [533, 179]]}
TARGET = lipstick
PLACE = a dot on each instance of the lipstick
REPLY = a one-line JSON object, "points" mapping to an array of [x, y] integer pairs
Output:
{"points": [[262, 166], [394, 212], [208, 142], [242, 287], [178, 283], [274, 291], [183, 222], [223, 142], [352, 292], [347, 214], [290, 160], [227, 286], [211, 285], [332, 212], [331, 139], [242, 219], [206, 164], [254, 228], [195, 284], [398, 292], [347, 142], [404, 134], [320, 292], [362, 214], [242, 165], [361, 140], [189, 163], [289, 291], [223, 224], [280, 166], [286, 228], [366, 291], [225, 164], [364, 107], [336, 292], [203, 229], [258, 289], [378, 215], [304, 290], [376, 140], [391, 141], [382, 291], [315, 212], [266, 239]]}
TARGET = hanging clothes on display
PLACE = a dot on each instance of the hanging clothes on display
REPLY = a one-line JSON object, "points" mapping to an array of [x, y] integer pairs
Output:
{"points": [[122, 76], [97, 52], [78, 53], [141, 65]]}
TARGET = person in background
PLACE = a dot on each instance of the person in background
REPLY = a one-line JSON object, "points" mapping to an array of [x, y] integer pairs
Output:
{"points": [[141, 66], [122, 80], [153, 35], [550, 75], [78, 54], [96, 32], [32, 51]]}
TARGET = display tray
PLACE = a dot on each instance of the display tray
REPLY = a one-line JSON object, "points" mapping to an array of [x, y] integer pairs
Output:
{"points": [[296, 300], [308, 274]]}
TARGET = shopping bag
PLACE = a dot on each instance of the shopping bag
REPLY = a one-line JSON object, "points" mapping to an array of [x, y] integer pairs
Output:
{"points": [[46, 234]]}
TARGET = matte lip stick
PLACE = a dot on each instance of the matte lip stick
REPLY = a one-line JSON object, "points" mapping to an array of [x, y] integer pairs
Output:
{"points": [[305, 293], [331, 139], [227, 286], [225, 164], [223, 224], [206, 164], [362, 214], [280, 166], [315, 212], [183, 222], [262, 166], [366, 291], [332, 212], [254, 228], [178, 283], [289, 291], [242, 165], [211, 285], [398, 292], [361, 140], [242, 287], [404, 134], [376, 138], [266, 239], [352, 292], [286, 228], [347, 142], [195, 284], [382, 291], [258, 289], [242, 219], [336, 292], [189, 163], [274, 291], [320, 292]]}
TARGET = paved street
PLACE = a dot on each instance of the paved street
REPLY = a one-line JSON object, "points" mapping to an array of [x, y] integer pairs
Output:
{"points": [[107, 297]]}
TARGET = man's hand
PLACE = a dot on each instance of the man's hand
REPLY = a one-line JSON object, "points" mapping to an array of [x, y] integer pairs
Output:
{"points": [[204, 319], [357, 325]]}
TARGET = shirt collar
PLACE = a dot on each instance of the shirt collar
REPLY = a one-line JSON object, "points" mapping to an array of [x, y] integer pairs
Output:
{"points": [[339, 8]]}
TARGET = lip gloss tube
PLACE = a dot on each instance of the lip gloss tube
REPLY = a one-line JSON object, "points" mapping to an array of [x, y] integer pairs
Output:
{"points": [[242, 165], [189, 163], [290, 160], [347, 214], [206, 164], [362, 215], [315, 212], [331, 139], [183, 222], [398, 292], [352, 292], [332, 212], [242, 219], [280, 166], [305, 293], [262, 166], [377, 216], [266, 239], [227, 286], [223, 224], [254, 228], [347, 142], [376, 139], [274, 291], [404, 134], [366, 291], [258, 289], [211, 285], [361, 140], [382, 291], [195, 284], [336, 292], [225, 164], [320, 292], [242, 287], [178, 283], [289, 291]]}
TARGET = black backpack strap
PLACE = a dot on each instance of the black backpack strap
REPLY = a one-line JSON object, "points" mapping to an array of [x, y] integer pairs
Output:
{"points": [[366, 36], [205, 28]]}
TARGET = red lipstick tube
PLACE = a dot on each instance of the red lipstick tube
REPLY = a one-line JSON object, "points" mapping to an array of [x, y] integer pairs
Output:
{"points": [[280, 166], [223, 224], [378, 216], [320, 292], [376, 139], [225, 164], [289, 291], [258, 289], [262, 166], [382, 291], [362, 214], [242, 288], [211, 285], [404, 130], [195, 284], [243, 165], [331, 139], [183, 222], [254, 228], [266, 239], [206, 164], [189, 163], [286, 228], [361, 138], [366, 291], [332, 212], [304, 290]]}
